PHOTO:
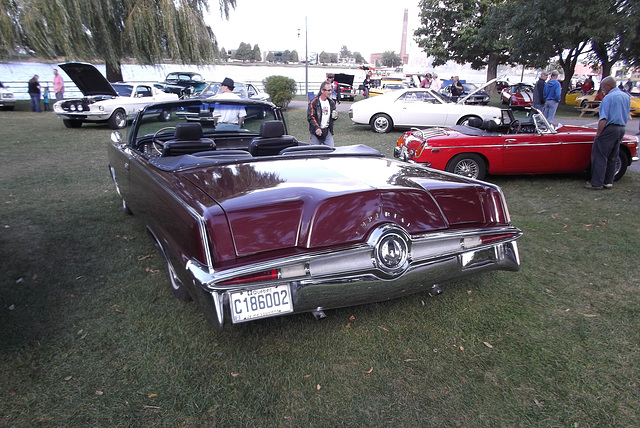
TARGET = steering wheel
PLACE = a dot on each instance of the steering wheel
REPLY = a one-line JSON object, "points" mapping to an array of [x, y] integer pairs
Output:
{"points": [[157, 144], [514, 127]]}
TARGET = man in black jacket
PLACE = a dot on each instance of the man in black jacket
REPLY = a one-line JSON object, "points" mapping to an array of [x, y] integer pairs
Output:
{"points": [[538, 89], [321, 112]]}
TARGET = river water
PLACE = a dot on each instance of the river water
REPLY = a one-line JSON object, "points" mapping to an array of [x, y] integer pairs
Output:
{"points": [[15, 75]]}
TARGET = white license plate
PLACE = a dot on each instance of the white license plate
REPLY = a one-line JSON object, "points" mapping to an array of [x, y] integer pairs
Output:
{"points": [[260, 303]]}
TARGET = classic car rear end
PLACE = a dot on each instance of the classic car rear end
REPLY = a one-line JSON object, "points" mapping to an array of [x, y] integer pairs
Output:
{"points": [[252, 234]]}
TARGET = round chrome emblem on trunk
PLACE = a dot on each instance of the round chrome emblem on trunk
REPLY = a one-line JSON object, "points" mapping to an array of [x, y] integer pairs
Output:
{"points": [[391, 250]]}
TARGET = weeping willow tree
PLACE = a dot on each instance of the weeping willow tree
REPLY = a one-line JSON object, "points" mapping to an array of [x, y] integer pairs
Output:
{"points": [[148, 31]]}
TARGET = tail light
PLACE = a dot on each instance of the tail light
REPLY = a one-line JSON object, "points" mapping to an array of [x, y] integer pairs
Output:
{"points": [[254, 277]]}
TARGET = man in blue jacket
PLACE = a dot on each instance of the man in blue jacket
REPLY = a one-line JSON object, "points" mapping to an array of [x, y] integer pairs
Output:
{"points": [[552, 92]]}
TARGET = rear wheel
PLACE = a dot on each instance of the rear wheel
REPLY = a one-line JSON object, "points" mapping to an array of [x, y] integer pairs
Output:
{"points": [[118, 119], [381, 123], [71, 123], [465, 120], [621, 165], [468, 165], [177, 287]]}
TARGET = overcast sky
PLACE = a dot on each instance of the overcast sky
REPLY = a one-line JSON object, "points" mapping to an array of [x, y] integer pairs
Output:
{"points": [[363, 26]]}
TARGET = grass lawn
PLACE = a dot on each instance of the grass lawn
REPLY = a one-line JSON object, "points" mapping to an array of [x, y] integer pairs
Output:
{"points": [[91, 335]]}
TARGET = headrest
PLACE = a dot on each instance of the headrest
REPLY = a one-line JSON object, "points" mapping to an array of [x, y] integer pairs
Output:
{"points": [[475, 122], [490, 125], [188, 131], [271, 129]]}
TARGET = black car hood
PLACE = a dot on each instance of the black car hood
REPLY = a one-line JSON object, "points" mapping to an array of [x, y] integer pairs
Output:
{"points": [[88, 79], [343, 78]]}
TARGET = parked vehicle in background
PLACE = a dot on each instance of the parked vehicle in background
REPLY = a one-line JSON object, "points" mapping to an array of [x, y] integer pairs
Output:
{"points": [[583, 100], [416, 107], [7, 101], [243, 90], [345, 85], [527, 145], [501, 84], [472, 94], [387, 84], [572, 96], [253, 223], [517, 95], [184, 83], [104, 102]]}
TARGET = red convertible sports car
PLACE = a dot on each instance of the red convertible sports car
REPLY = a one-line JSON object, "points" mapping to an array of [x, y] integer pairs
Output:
{"points": [[530, 146], [518, 95], [253, 223]]}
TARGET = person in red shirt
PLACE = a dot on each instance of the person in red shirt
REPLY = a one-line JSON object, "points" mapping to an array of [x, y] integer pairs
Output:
{"points": [[587, 86]]}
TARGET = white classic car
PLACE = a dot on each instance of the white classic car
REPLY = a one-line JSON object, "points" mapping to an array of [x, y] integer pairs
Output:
{"points": [[243, 90], [104, 102], [7, 101], [414, 107]]}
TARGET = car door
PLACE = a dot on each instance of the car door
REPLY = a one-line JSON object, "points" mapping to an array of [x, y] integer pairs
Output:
{"points": [[141, 95], [419, 108], [531, 153]]}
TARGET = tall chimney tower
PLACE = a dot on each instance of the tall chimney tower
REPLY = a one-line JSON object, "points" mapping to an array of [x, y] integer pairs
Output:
{"points": [[403, 47]]}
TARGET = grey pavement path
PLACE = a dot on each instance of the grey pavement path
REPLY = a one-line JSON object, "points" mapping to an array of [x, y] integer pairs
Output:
{"points": [[591, 122]]}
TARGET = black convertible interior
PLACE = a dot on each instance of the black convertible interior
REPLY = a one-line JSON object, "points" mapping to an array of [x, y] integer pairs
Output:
{"points": [[188, 147]]}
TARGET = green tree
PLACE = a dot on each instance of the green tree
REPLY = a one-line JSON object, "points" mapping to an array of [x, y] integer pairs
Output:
{"points": [[281, 89], [391, 59], [271, 57], [556, 29], [324, 58], [618, 35], [111, 30], [257, 53], [358, 57], [294, 56], [223, 54], [345, 52], [464, 31], [244, 52]]}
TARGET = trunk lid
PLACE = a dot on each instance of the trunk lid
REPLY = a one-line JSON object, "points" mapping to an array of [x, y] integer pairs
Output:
{"points": [[319, 203]]}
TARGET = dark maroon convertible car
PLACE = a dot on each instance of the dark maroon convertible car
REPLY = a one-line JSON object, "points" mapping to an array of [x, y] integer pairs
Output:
{"points": [[253, 223]]}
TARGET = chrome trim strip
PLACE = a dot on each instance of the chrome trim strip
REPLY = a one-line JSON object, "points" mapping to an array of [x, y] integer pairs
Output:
{"points": [[355, 261]]}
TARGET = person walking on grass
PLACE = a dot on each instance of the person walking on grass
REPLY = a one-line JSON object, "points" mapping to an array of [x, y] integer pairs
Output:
{"points": [[321, 112]]}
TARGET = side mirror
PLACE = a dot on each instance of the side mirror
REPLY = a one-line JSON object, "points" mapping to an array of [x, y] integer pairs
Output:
{"points": [[116, 137]]}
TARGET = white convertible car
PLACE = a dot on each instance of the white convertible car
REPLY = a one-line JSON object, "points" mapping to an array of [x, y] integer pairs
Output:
{"points": [[104, 102], [414, 107]]}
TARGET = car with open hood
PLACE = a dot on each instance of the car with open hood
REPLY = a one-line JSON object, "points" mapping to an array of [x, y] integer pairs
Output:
{"points": [[104, 102], [525, 145], [472, 94], [416, 107], [253, 223]]}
